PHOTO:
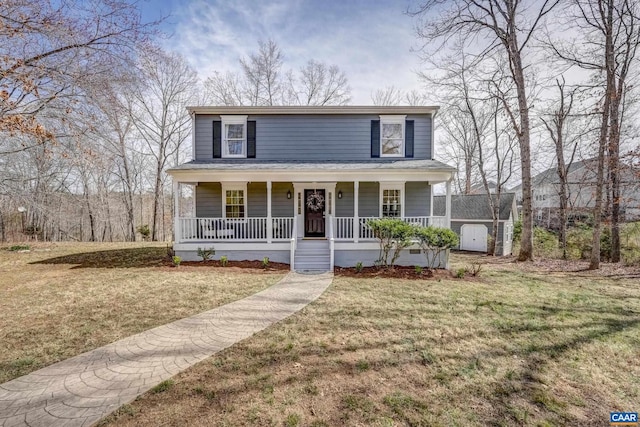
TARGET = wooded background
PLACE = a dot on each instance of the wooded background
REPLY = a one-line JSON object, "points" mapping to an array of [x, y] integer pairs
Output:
{"points": [[92, 110]]}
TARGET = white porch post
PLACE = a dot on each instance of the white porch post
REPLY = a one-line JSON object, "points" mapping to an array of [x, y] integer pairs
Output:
{"points": [[448, 205], [269, 220], [431, 204], [176, 211], [356, 215]]}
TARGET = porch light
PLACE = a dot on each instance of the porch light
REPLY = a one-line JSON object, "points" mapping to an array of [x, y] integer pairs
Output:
{"points": [[288, 194], [340, 194]]}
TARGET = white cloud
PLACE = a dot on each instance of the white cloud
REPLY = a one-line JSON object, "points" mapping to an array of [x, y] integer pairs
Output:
{"points": [[370, 43]]}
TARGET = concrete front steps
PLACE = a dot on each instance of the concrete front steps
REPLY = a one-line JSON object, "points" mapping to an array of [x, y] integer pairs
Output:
{"points": [[312, 255]]}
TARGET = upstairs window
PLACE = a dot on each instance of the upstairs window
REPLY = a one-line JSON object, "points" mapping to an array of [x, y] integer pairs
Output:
{"points": [[392, 136], [234, 136]]}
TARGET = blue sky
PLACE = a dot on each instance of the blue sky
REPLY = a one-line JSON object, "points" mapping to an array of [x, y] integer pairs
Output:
{"points": [[371, 41]]}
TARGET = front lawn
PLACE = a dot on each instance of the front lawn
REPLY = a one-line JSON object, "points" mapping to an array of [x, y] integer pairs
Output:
{"points": [[60, 300], [521, 345]]}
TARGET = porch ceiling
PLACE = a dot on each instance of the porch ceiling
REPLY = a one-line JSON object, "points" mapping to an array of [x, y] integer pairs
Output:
{"points": [[252, 170]]}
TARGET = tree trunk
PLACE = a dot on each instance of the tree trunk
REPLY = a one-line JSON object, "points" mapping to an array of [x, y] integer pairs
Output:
{"points": [[614, 175], [526, 243], [594, 263]]}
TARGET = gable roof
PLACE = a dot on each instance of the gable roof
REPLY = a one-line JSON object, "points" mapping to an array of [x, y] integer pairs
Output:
{"points": [[551, 175], [473, 206]]}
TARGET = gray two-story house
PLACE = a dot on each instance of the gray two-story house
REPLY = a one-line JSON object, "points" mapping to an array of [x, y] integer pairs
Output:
{"points": [[297, 184]]}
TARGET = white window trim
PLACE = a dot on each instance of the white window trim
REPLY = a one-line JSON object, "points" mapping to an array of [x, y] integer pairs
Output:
{"points": [[234, 186], [393, 120], [392, 186], [234, 120]]}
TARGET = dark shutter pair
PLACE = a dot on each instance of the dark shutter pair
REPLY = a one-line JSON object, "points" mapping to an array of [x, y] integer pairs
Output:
{"points": [[408, 138], [251, 139]]}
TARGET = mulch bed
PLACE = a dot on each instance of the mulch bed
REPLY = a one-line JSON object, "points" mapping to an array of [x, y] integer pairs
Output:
{"points": [[252, 265], [398, 272]]}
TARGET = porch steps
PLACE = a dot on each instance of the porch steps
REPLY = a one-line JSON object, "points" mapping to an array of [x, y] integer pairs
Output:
{"points": [[312, 255]]}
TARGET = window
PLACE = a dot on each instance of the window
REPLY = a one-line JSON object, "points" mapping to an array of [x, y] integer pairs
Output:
{"points": [[392, 136], [234, 136], [234, 201], [391, 201]]}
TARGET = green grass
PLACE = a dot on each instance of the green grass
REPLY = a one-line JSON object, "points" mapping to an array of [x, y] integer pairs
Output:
{"points": [[523, 344], [60, 300]]}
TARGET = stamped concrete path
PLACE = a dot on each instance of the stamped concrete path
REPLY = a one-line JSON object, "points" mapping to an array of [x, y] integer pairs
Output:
{"points": [[81, 390]]}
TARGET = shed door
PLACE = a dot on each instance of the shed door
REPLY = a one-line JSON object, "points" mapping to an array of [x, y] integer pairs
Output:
{"points": [[473, 237]]}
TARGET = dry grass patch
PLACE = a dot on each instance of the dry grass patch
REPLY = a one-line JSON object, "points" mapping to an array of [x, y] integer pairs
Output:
{"points": [[513, 348], [60, 300]]}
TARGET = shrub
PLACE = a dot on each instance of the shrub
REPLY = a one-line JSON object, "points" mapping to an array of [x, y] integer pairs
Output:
{"points": [[205, 253], [176, 260], [418, 270], [265, 262], [16, 248], [144, 231], [580, 243], [224, 260], [474, 269], [359, 267], [544, 242], [393, 236], [434, 241], [460, 273], [517, 230]]}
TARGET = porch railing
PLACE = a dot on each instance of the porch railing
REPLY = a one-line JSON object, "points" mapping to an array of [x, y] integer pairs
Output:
{"points": [[234, 229], [344, 229]]}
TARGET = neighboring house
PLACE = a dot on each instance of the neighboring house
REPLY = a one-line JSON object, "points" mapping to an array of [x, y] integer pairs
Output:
{"points": [[297, 184], [581, 192], [471, 218], [479, 188]]}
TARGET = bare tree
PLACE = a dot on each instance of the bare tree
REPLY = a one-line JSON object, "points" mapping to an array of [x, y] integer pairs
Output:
{"points": [[161, 117], [557, 126], [510, 26], [389, 95], [460, 145], [319, 84], [48, 48], [503, 151], [262, 81], [613, 33], [262, 72]]}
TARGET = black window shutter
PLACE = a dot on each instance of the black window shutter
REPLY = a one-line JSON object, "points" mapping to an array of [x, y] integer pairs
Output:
{"points": [[375, 138], [408, 138], [217, 140], [251, 139]]}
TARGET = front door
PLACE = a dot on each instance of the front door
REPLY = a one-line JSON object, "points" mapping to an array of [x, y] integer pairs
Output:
{"points": [[314, 206]]}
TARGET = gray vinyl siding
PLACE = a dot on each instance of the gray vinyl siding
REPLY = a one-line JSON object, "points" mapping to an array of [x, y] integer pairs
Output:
{"points": [[204, 136], [209, 200], [344, 206], [280, 205], [313, 137], [257, 199], [368, 199], [417, 199]]}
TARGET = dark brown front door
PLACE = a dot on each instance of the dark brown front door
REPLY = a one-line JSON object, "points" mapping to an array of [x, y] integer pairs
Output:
{"points": [[314, 205]]}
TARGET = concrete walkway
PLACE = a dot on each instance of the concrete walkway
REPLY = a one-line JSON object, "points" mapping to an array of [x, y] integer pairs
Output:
{"points": [[82, 390]]}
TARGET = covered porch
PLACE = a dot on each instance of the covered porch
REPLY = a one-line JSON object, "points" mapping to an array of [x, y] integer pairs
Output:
{"points": [[286, 211], [337, 216]]}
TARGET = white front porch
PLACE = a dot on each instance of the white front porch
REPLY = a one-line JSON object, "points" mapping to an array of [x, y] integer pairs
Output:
{"points": [[267, 230], [246, 216]]}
